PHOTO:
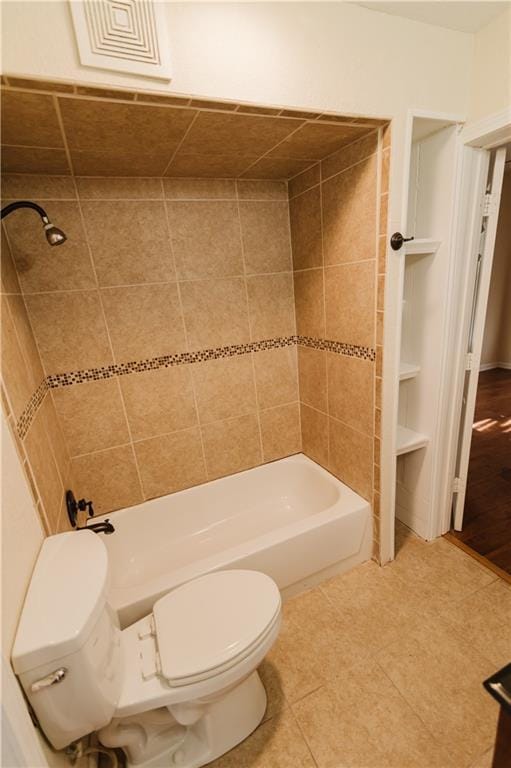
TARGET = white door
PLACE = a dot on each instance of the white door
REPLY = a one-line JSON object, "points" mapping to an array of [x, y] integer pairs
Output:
{"points": [[489, 218]]}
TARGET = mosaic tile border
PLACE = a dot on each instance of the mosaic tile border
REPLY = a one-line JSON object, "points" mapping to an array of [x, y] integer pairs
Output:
{"points": [[68, 379], [25, 420], [339, 347]]}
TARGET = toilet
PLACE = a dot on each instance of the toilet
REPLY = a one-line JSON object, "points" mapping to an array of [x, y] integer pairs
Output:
{"points": [[177, 688]]}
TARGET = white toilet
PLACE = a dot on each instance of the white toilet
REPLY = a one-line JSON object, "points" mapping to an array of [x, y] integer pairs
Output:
{"points": [[177, 688]]}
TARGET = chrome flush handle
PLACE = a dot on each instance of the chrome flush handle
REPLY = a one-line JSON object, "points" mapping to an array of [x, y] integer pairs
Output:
{"points": [[51, 679]]}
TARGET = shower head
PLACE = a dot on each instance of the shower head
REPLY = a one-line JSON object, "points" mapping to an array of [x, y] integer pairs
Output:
{"points": [[54, 235]]}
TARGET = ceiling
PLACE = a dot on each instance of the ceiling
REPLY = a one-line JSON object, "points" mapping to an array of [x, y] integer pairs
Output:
{"points": [[461, 16], [89, 132]]}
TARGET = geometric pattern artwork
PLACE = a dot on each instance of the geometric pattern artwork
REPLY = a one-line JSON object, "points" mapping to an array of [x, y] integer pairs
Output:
{"points": [[122, 35]]}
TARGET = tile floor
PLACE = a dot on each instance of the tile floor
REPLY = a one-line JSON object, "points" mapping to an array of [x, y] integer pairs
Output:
{"points": [[382, 667]]}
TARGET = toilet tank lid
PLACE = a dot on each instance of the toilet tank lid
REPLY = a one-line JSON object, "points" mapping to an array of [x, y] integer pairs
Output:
{"points": [[65, 598]]}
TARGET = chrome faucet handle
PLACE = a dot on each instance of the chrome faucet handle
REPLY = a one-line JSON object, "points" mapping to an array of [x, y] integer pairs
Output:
{"points": [[51, 679]]}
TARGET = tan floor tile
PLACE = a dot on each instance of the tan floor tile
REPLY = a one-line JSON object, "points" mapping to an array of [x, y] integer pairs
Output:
{"points": [[484, 619], [373, 604], [440, 675], [277, 743], [439, 572], [361, 719]]}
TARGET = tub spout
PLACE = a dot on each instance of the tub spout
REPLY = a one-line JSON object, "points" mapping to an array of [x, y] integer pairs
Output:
{"points": [[105, 526]]}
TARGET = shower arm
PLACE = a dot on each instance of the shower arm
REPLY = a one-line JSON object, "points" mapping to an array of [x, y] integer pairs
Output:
{"points": [[6, 210]]}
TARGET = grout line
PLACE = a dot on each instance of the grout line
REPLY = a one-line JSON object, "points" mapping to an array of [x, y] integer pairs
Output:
{"points": [[282, 141], [245, 281], [333, 175], [187, 341], [192, 122]]}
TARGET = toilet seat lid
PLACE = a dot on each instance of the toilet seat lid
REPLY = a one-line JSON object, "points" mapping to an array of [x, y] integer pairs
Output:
{"points": [[204, 626]]}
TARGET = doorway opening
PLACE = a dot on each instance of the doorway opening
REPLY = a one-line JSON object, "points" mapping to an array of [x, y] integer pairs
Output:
{"points": [[482, 522]]}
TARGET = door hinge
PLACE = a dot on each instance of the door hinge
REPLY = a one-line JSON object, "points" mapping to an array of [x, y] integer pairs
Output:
{"points": [[469, 361], [456, 485], [489, 204]]}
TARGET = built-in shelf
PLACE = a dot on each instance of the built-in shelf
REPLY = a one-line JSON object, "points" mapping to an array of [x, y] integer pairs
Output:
{"points": [[408, 440], [408, 371], [422, 245]]}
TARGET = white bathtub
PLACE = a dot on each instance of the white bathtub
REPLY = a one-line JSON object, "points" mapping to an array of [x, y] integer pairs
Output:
{"points": [[290, 519]]}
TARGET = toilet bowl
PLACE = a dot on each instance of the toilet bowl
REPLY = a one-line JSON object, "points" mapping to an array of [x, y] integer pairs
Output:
{"points": [[179, 687]]}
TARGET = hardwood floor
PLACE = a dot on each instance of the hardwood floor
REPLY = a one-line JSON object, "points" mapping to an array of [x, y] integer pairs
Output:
{"points": [[487, 518]]}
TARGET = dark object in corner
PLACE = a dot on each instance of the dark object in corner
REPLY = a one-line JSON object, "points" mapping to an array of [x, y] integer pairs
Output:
{"points": [[499, 685], [74, 506]]}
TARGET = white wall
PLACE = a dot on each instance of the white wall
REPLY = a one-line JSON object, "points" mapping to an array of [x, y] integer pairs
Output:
{"points": [[491, 89], [497, 330]]}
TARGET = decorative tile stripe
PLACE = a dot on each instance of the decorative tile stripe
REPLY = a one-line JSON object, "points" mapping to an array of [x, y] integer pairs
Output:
{"points": [[166, 361], [68, 379], [339, 347], [31, 408]]}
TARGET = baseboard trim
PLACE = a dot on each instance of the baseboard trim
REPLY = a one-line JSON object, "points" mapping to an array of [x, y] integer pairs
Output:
{"points": [[491, 366]]}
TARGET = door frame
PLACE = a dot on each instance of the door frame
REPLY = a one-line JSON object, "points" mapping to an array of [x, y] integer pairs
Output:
{"points": [[478, 139]]}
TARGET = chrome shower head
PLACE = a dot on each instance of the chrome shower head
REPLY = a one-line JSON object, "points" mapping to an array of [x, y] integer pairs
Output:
{"points": [[54, 235]]}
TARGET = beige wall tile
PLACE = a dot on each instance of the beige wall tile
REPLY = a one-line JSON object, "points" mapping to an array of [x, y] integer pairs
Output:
{"points": [[350, 391], [349, 155], [305, 215], [224, 388], [349, 298], [208, 166], [271, 305], [231, 446], [144, 321], [276, 376], [310, 303], [34, 160], [385, 171], [10, 282], [41, 268], [349, 214], [205, 238], [379, 328], [280, 431], [91, 416], [119, 188], [170, 463], [312, 377], [265, 236], [351, 457], [44, 469], [275, 168], [381, 293], [384, 213], [111, 162], [56, 439], [129, 241], [26, 187], [314, 434], [214, 133], [215, 312], [109, 478], [382, 254], [305, 180], [30, 119], [92, 125], [26, 340], [15, 373], [315, 140], [159, 401], [264, 189], [199, 189], [70, 330]]}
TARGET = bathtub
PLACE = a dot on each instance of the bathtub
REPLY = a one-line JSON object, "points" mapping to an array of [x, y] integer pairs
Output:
{"points": [[290, 519]]}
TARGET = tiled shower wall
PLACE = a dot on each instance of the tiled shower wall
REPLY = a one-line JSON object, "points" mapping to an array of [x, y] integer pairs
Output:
{"points": [[338, 211], [166, 351], [166, 331]]}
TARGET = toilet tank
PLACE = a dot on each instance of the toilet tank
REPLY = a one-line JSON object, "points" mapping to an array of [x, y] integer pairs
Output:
{"points": [[68, 633]]}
